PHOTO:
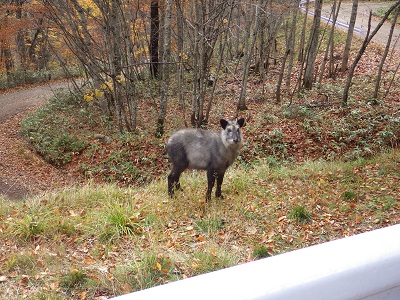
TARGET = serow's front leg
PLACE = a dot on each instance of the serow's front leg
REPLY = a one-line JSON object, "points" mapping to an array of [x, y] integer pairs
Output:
{"points": [[211, 182], [220, 179]]}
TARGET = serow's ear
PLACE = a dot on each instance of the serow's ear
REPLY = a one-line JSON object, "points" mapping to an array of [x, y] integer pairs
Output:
{"points": [[240, 122], [223, 123]]}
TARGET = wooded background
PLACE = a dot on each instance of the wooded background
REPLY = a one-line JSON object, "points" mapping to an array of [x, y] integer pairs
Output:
{"points": [[117, 44]]}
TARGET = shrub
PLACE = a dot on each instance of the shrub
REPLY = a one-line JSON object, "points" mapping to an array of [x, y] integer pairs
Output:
{"points": [[300, 214]]}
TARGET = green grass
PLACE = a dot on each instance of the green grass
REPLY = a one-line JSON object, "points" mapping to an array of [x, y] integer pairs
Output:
{"points": [[110, 240], [300, 214], [260, 251], [73, 279]]}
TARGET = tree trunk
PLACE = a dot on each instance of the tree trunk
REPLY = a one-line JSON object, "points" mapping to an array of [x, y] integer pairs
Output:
{"points": [[300, 57], [21, 40], [367, 40], [292, 41], [378, 77], [349, 38], [312, 52], [249, 46], [282, 69], [154, 35], [165, 69], [181, 56], [330, 44]]}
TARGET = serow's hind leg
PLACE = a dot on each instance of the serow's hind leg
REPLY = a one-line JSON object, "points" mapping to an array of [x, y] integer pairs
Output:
{"points": [[173, 179], [173, 182]]}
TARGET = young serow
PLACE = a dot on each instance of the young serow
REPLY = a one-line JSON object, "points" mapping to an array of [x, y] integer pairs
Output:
{"points": [[200, 149]]}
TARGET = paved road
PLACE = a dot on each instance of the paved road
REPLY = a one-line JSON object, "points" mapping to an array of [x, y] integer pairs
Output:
{"points": [[19, 100], [362, 20]]}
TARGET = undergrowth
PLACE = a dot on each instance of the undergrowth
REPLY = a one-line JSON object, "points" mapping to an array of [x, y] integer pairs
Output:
{"points": [[52, 130]]}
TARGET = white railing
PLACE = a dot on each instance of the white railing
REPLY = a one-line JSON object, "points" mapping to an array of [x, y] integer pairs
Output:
{"points": [[339, 23], [365, 266]]}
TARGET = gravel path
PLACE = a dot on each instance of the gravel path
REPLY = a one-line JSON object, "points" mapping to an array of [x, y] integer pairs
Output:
{"points": [[21, 99]]}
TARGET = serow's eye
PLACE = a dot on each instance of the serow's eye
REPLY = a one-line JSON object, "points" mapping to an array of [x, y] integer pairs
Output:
{"points": [[229, 130]]}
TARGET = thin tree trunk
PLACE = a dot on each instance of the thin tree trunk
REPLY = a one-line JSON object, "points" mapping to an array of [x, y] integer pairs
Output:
{"points": [[330, 44], [220, 60], [392, 80], [154, 36], [165, 69], [385, 53], [367, 40], [282, 69], [312, 52], [181, 57], [300, 57], [247, 56], [197, 66], [292, 41], [349, 38]]}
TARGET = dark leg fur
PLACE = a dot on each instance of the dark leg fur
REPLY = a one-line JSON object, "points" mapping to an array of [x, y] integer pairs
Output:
{"points": [[211, 182], [173, 181], [220, 179], [179, 164]]}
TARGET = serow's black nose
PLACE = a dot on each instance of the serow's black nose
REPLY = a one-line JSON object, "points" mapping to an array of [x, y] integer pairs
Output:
{"points": [[235, 141]]}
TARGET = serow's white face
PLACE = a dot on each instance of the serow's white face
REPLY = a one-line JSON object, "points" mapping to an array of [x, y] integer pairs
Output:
{"points": [[232, 133]]}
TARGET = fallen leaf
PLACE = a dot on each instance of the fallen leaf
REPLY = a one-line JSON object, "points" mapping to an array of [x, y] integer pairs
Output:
{"points": [[201, 238], [82, 296], [89, 260], [358, 219], [158, 266]]}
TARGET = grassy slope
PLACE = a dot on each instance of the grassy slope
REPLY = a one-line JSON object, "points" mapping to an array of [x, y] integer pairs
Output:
{"points": [[101, 241]]}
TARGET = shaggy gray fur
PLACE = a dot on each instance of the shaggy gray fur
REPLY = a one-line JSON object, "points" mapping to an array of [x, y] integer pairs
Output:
{"points": [[204, 150]]}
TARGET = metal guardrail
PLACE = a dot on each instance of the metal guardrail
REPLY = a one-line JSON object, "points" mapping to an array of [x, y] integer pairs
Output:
{"points": [[339, 23], [364, 266]]}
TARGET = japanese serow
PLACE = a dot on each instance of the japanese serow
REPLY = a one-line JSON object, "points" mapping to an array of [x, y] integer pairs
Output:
{"points": [[213, 151]]}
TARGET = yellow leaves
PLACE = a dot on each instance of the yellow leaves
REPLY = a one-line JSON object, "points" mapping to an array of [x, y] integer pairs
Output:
{"points": [[158, 266], [82, 295], [98, 94], [106, 86], [90, 7], [89, 96], [183, 56], [120, 79]]}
